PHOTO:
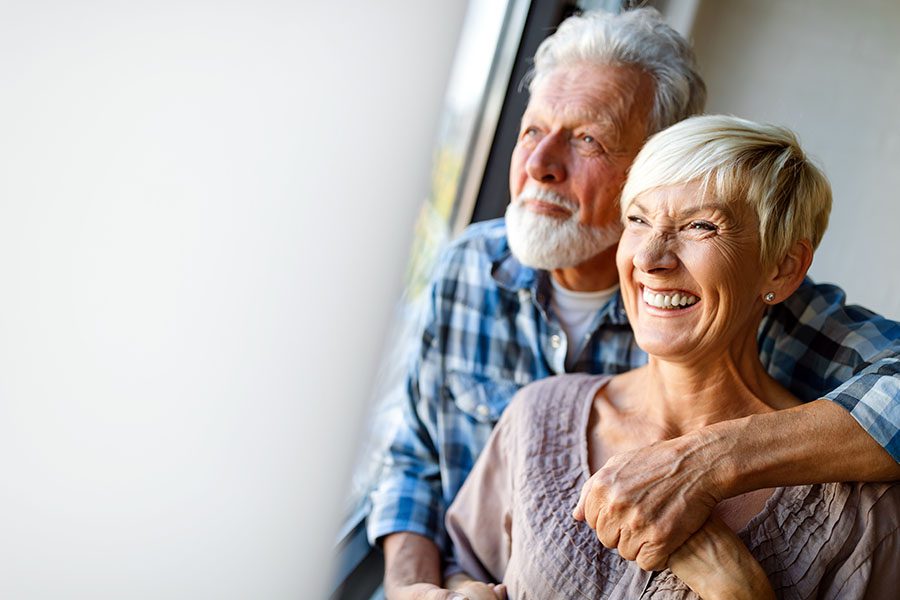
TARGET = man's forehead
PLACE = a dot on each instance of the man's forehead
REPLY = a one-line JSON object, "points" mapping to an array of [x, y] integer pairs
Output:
{"points": [[583, 92]]}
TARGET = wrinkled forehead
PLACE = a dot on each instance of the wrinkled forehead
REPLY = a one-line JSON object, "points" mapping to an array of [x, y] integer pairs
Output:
{"points": [[671, 198], [599, 93], [689, 198]]}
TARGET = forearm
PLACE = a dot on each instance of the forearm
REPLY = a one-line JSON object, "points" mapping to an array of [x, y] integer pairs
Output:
{"points": [[817, 442], [410, 558]]}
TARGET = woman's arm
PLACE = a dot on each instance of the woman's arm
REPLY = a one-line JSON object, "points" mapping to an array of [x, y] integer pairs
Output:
{"points": [[715, 564]]}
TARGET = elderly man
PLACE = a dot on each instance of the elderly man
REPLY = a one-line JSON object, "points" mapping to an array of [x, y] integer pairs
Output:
{"points": [[536, 295]]}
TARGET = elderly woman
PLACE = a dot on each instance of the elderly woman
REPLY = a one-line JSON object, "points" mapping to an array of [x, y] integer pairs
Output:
{"points": [[721, 219]]}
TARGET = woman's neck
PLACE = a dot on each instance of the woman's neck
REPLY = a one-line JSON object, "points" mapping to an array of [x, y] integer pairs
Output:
{"points": [[681, 396]]}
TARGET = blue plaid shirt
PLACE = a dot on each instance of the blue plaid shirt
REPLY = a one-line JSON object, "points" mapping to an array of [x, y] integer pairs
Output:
{"points": [[490, 330]]}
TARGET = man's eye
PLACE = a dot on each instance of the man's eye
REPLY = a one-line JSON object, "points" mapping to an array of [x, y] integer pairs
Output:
{"points": [[589, 140], [702, 226]]}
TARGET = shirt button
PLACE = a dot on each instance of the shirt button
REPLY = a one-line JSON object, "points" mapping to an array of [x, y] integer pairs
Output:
{"points": [[555, 341], [482, 410]]}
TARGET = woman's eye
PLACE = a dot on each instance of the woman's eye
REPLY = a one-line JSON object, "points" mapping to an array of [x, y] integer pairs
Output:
{"points": [[588, 139], [636, 219], [702, 226]]}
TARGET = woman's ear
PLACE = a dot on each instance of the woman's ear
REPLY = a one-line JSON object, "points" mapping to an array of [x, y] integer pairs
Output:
{"points": [[788, 274]]}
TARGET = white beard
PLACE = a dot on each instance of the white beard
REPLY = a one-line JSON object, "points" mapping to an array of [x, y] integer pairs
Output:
{"points": [[544, 242]]}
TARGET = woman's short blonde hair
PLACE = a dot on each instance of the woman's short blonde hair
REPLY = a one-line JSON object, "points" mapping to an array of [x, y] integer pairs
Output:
{"points": [[736, 159]]}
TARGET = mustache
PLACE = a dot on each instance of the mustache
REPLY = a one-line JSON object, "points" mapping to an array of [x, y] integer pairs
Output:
{"points": [[533, 191]]}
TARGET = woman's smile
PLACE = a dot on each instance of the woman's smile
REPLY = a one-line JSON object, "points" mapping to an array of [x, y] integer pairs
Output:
{"points": [[669, 300]]}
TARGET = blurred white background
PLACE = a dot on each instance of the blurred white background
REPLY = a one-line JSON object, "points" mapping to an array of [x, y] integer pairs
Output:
{"points": [[205, 212]]}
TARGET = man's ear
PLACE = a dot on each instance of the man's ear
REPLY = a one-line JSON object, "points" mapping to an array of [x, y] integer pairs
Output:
{"points": [[788, 274]]}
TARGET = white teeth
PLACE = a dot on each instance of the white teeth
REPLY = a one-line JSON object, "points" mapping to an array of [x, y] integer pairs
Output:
{"points": [[669, 301]]}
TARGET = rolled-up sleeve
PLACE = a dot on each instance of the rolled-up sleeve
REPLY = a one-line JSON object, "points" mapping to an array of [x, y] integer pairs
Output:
{"points": [[820, 347], [408, 496]]}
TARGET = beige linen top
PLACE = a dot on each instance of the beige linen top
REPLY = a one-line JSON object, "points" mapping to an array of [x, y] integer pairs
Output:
{"points": [[512, 520]]}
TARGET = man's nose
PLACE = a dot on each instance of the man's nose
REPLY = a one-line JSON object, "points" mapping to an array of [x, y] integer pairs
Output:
{"points": [[656, 254], [547, 161]]}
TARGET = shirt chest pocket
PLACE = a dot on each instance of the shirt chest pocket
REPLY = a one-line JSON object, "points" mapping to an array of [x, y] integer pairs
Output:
{"points": [[480, 397]]}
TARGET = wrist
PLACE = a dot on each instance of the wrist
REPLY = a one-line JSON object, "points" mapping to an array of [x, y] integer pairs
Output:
{"points": [[453, 582], [740, 580], [713, 449], [740, 455]]}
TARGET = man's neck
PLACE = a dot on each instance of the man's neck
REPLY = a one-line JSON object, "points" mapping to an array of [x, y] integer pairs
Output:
{"points": [[595, 274]]}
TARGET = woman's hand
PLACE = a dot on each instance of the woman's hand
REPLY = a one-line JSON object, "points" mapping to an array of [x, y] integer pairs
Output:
{"points": [[716, 564], [475, 590]]}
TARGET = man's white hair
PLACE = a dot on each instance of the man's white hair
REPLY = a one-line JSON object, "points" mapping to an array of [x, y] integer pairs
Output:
{"points": [[638, 38]]}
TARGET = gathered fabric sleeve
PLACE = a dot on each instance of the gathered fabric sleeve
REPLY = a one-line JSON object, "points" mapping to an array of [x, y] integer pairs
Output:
{"points": [[820, 347], [479, 521]]}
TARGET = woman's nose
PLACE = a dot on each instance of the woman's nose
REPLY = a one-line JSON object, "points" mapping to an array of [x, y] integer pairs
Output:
{"points": [[547, 161], [655, 254]]}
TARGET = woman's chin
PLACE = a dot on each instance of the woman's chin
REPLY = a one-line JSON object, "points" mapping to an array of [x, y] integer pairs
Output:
{"points": [[666, 347]]}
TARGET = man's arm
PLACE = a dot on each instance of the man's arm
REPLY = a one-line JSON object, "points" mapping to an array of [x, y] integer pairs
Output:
{"points": [[652, 499], [412, 569], [817, 346], [408, 503], [647, 502], [413, 572]]}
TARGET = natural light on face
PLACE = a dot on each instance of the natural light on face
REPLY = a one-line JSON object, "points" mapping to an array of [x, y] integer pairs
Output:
{"points": [[690, 271]]}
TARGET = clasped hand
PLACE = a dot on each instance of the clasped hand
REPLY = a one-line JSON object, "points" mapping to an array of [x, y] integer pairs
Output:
{"points": [[646, 503]]}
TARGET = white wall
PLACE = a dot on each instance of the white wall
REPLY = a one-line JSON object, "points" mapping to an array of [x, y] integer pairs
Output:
{"points": [[205, 210], [829, 70]]}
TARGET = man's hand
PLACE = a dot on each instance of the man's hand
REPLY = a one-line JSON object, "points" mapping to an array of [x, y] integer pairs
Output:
{"points": [[647, 502]]}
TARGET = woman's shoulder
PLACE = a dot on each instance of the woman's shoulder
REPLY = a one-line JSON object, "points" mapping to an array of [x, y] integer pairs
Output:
{"points": [[551, 394]]}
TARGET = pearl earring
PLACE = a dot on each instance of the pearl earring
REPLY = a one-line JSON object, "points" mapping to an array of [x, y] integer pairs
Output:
{"points": [[769, 297]]}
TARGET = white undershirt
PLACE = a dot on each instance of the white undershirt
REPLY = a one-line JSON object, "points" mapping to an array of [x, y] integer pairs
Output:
{"points": [[576, 311]]}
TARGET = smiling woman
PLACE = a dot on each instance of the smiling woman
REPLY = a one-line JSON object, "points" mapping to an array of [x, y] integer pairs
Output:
{"points": [[696, 283], [720, 214]]}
